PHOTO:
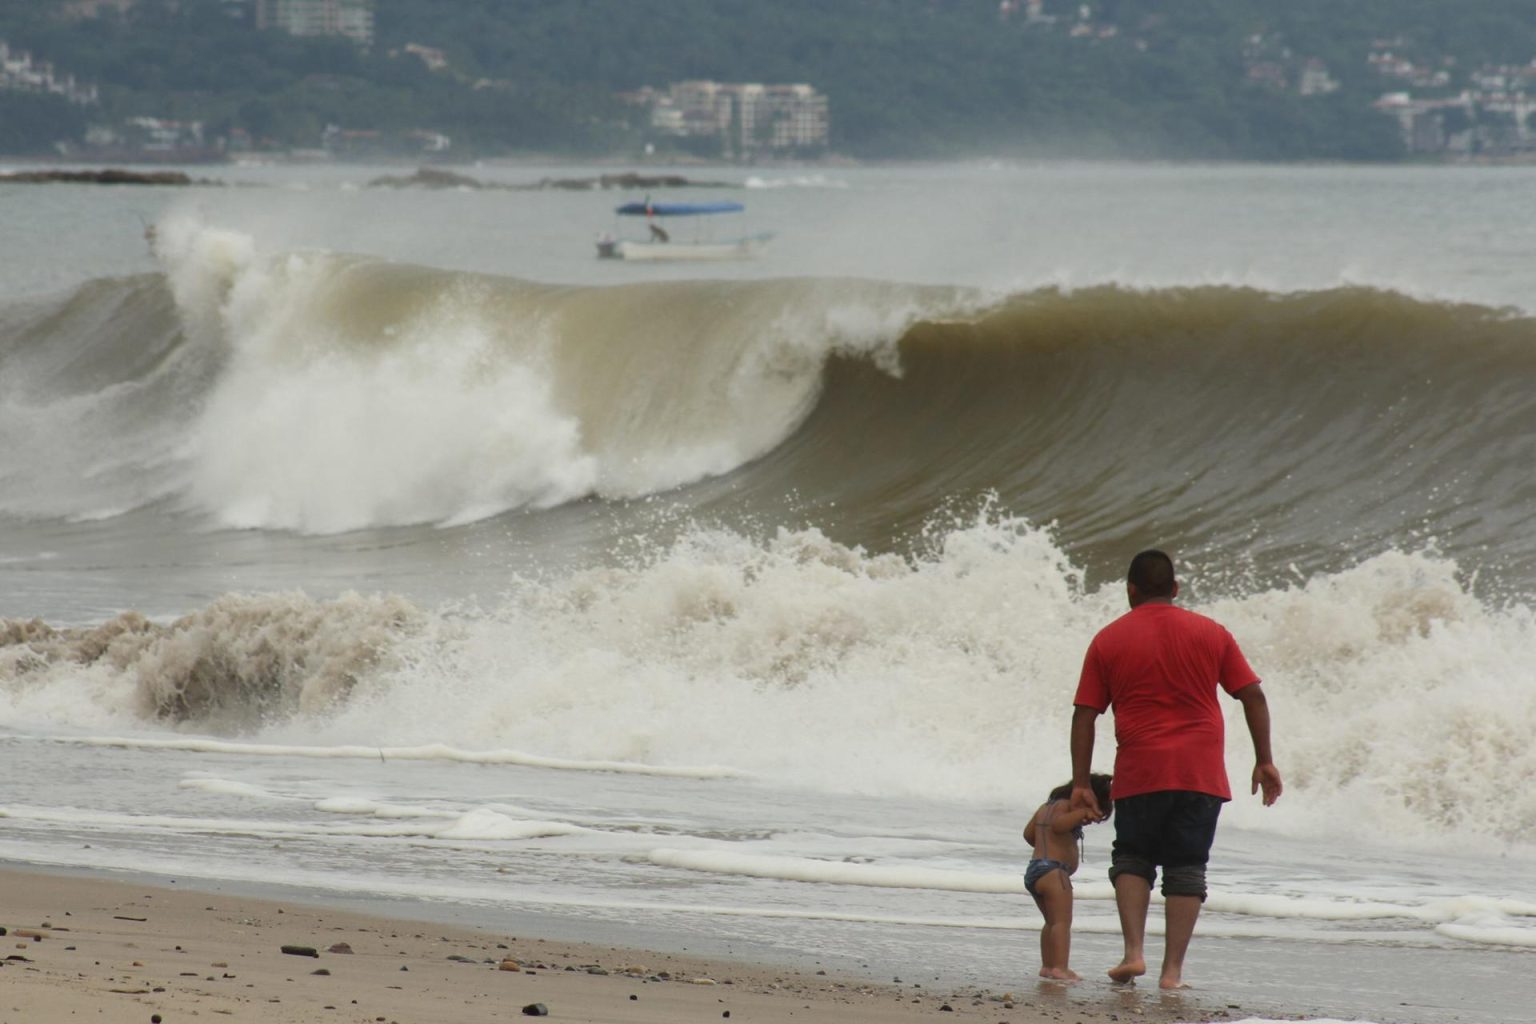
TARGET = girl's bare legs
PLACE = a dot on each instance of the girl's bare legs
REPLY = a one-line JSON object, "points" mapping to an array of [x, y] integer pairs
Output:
{"points": [[1054, 897]]}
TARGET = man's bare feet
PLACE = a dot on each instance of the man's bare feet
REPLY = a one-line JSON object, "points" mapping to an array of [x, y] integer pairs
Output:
{"points": [[1172, 982], [1060, 974], [1127, 970]]}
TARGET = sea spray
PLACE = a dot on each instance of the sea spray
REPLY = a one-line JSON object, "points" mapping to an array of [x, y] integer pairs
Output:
{"points": [[362, 393], [1399, 697], [239, 663]]}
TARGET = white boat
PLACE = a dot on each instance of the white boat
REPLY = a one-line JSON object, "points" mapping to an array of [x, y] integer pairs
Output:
{"points": [[662, 246]]}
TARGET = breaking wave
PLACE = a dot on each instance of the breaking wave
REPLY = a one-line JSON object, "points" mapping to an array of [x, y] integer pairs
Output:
{"points": [[809, 662], [319, 393]]}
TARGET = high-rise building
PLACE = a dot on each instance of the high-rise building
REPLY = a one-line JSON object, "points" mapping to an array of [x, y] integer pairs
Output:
{"points": [[747, 117], [350, 18]]}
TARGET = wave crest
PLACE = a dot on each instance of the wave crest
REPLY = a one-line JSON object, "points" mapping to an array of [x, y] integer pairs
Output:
{"points": [[241, 662]]}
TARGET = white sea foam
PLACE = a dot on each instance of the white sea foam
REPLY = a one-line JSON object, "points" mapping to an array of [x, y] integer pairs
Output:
{"points": [[475, 890], [794, 181], [314, 428], [1471, 919], [1492, 933], [1398, 699], [354, 393], [801, 869], [425, 752], [377, 809], [41, 556], [479, 824], [721, 859], [230, 787], [482, 823], [799, 660]]}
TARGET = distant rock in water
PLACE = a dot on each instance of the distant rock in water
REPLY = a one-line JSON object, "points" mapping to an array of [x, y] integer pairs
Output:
{"points": [[105, 176], [428, 177], [628, 179]]}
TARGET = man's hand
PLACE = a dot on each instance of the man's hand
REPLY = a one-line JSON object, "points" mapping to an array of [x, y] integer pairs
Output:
{"points": [[1084, 800], [1256, 712], [1265, 777], [1084, 720]]}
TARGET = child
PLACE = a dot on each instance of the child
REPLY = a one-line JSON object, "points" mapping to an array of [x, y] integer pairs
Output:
{"points": [[1054, 831]]}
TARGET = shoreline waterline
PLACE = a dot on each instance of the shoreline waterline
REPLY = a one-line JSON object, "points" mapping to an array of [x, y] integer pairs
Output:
{"points": [[161, 946]]}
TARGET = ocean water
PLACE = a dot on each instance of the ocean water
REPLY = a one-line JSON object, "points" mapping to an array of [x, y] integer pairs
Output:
{"points": [[387, 546]]}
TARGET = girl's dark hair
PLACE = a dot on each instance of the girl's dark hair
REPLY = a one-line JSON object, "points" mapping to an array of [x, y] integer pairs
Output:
{"points": [[1100, 783]]}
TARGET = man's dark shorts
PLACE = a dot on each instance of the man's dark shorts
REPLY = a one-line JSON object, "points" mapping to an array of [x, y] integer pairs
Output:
{"points": [[1174, 829]]}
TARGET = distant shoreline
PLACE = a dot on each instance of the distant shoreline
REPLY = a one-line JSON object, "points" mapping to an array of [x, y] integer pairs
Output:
{"points": [[34, 169]]}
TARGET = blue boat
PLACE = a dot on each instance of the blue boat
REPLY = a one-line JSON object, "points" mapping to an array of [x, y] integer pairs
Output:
{"points": [[660, 245]]}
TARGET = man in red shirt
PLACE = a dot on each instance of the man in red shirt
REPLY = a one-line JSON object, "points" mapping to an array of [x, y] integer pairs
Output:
{"points": [[1160, 668]]}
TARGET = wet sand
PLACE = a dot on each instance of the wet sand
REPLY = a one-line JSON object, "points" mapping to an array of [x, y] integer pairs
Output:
{"points": [[124, 950]]}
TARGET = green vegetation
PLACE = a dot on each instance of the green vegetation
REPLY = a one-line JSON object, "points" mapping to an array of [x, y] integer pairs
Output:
{"points": [[193, 61], [905, 78], [31, 124]]}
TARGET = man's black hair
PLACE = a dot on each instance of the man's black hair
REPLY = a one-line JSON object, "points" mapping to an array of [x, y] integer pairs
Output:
{"points": [[1151, 574]]}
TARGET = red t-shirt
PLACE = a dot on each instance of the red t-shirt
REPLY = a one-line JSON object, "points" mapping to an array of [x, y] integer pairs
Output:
{"points": [[1159, 666]]}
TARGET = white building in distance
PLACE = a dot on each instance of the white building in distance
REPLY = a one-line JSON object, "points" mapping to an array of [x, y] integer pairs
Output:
{"points": [[747, 118], [19, 72], [350, 18]]}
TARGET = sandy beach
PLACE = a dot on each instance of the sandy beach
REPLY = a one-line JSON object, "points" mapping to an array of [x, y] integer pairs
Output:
{"points": [[92, 947]]}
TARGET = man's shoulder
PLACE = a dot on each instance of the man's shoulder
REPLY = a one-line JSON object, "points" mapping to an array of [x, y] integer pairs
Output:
{"points": [[1196, 618], [1157, 617], [1114, 627]]}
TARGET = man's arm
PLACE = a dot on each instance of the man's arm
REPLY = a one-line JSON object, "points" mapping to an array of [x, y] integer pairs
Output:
{"points": [[1256, 712], [1085, 722]]}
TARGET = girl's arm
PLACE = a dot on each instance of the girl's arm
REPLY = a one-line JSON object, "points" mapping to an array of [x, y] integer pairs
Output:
{"points": [[1065, 821]]}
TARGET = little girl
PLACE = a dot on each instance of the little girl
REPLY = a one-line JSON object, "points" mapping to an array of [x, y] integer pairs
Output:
{"points": [[1054, 831]]}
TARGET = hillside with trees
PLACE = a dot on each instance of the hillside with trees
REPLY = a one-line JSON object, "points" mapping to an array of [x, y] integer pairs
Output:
{"points": [[1187, 79]]}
